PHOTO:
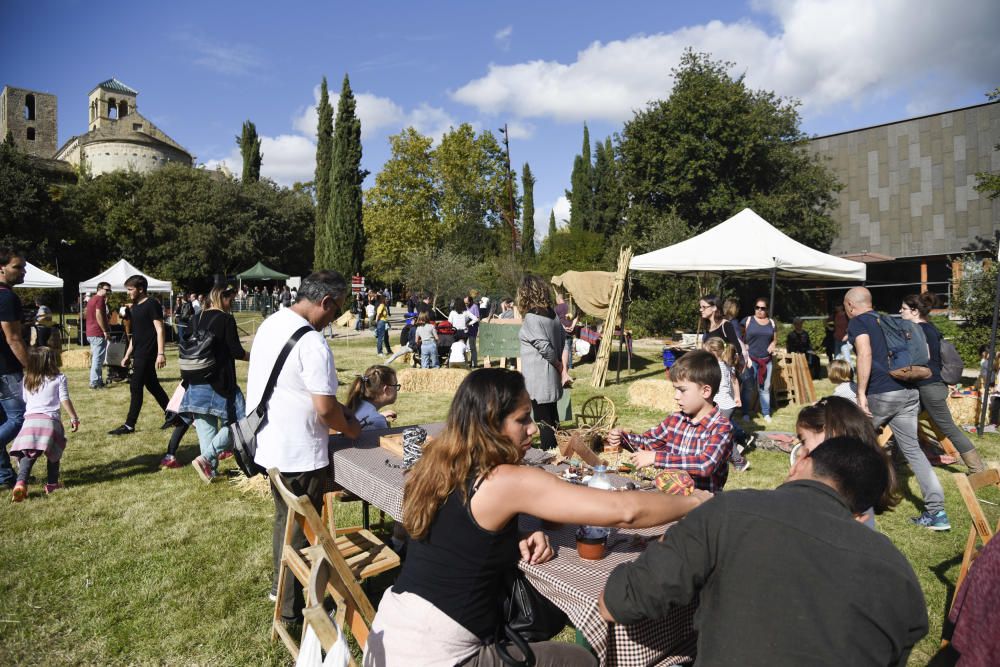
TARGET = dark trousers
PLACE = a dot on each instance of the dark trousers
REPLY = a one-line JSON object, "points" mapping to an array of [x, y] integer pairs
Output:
{"points": [[26, 464], [144, 376], [547, 418], [311, 484]]}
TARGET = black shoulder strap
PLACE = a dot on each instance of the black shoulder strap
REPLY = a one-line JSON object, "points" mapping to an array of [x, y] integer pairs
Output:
{"points": [[285, 351]]}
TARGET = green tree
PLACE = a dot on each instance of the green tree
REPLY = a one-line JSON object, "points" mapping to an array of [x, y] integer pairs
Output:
{"points": [[470, 175], [715, 146], [571, 250], [249, 144], [343, 235], [608, 204], [400, 212], [581, 197], [975, 295], [528, 212], [440, 272], [552, 224], [324, 148], [989, 183], [27, 212]]}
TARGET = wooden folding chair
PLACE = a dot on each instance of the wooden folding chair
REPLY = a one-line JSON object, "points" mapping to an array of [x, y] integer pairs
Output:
{"points": [[980, 531], [352, 555]]}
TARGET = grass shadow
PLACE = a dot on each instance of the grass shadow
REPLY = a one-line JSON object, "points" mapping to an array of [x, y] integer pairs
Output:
{"points": [[143, 464]]}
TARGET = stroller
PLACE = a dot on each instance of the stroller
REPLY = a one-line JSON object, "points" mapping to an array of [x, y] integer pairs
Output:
{"points": [[113, 359], [446, 336]]}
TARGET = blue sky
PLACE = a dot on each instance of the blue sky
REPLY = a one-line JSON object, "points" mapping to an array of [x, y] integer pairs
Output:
{"points": [[545, 68]]}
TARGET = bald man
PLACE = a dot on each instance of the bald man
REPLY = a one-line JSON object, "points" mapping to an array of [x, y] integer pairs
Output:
{"points": [[888, 401]]}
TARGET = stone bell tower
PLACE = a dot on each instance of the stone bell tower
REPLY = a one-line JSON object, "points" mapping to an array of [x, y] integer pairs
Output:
{"points": [[109, 101]]}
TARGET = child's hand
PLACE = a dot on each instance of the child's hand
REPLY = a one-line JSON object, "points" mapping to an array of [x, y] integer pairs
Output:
{"points": [[615, 437], [390, 415], [643, 458], [74, 425]]}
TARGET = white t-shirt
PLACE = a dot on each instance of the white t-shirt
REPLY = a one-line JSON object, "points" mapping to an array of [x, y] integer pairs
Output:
{"points": [[369, 417], [461, 321], [45, 400], [848, 390], [294, 439], [724, 397], [458, 350], [370, 311]]}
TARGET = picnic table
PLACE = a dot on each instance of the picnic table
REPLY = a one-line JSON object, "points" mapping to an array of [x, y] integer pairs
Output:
{"points": [[574, 585]]}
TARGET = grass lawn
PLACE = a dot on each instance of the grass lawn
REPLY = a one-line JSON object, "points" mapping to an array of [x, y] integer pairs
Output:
{"points": [[134, 565]]}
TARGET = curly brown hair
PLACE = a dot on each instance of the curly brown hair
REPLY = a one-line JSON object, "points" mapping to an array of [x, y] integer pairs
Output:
{"points": [[533, 294]]}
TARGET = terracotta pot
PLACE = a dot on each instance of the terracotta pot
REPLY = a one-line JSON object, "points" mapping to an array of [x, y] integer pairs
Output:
{"points": [[591, 548]]}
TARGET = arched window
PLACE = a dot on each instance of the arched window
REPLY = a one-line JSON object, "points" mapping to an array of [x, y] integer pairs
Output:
{"points": [[93, 111], [31, 134], [122, 109], [29, 107], [112, 109]]}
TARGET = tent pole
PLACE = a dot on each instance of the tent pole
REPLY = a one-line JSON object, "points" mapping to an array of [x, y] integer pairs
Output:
{"points": [[770, 303]]}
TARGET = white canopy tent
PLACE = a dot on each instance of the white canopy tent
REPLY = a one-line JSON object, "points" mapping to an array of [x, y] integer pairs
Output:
{"points": [[36, 278], [747, 244], [118, 274]]}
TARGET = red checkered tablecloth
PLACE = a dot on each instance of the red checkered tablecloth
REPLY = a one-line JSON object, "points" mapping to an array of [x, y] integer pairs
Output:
{"points": [[573, 584]]}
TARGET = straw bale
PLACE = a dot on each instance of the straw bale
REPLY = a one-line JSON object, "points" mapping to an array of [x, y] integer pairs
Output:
{"points": [[431, 380], [964, 409], [345, 320], [655, 394], [76, 358], [258, 485]]}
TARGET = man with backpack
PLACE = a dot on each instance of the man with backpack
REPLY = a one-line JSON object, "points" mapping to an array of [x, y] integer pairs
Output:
{"points": [[890, 401], [184, 315]]}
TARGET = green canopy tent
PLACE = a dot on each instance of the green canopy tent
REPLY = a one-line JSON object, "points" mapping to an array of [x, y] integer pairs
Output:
{"points": [[260, 272]]}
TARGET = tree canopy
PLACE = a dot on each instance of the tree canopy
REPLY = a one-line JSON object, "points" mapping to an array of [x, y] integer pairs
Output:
{"points": [[249, 144], [324, 148]]}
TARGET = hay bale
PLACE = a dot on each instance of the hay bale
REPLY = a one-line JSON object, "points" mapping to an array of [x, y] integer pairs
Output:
{"points": [[431, 380], [258, 485], [79, 358], [345, 320], [655, 394], [964, 409]]}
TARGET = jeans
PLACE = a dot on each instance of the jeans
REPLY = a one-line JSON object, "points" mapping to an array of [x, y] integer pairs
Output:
{"points": [[311, 484], [934, 399], [382, 336], [429, 355], [899, 409], [213, 437], [181, 331], [749, 382], [143, 375], [13, 411], [98, 350]]}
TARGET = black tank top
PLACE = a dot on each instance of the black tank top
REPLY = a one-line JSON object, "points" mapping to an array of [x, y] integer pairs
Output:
{"points": [[459, 566]]}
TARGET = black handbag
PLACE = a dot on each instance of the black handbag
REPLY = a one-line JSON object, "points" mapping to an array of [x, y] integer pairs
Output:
{"points": [[196, 356], [528, 616], [244, 431]]}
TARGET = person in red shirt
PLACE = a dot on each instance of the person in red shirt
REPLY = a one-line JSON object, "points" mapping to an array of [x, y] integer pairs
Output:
{"points": [[97, 333], [697, 438]]}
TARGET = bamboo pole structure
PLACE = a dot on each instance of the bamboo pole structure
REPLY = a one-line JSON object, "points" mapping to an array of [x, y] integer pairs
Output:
{"points": [[600, 376]]}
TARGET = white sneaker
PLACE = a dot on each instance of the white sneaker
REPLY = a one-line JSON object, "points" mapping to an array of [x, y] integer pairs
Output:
{"points": [[767, 419]]}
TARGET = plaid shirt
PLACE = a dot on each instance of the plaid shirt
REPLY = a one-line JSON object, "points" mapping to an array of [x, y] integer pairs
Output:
{"points": [[701, 448]]}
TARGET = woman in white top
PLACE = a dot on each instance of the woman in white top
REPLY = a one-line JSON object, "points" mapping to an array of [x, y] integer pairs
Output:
{"points": [[460, 317]]}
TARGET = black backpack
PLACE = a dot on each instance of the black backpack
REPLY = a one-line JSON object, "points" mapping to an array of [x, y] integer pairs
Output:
{"points": [[196, 355], [951, 363]]}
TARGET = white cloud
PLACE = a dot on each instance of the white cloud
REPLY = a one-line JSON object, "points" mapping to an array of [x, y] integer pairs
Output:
{"points": [[502, 37], [229, 59], [287, 158], [823, 53], [561, 208], [378, 113], [520, 130]]}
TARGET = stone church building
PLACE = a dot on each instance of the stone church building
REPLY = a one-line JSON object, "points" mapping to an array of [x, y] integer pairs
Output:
{"points": [[117, 137]]}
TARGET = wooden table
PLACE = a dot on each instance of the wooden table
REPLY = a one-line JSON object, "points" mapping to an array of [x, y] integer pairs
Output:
{"points": [[376, 476]]}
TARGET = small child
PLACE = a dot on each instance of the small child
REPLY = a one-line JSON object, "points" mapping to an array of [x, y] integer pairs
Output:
{"points": [[728, 396], [427, 340], [370, 393], [44, 389], [697, 438], [459, 349], [842, 375]]}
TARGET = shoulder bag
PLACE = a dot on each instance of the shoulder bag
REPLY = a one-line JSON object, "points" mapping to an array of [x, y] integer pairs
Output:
{"points": [[528, 616], [195, 353], [244, 431]]}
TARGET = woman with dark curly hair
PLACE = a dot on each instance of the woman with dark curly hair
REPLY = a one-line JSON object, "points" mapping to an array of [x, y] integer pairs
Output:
{"points": [[542, 340]]}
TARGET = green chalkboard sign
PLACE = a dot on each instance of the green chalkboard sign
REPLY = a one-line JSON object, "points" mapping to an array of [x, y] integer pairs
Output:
{"points": [[499, 340]]}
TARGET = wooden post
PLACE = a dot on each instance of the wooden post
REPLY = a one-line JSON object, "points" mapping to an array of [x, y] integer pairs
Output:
{"points": [[923, 276], [599, 377]]}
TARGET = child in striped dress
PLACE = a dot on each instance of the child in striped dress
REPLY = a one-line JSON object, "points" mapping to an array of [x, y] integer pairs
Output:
{"points": [[44, 389]]}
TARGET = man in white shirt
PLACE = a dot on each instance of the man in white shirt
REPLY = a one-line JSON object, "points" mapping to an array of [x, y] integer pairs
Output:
{"points": [[302, 408]]}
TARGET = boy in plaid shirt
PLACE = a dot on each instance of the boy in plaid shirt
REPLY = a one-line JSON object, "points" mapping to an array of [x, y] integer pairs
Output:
{"points": [[697, 439]]}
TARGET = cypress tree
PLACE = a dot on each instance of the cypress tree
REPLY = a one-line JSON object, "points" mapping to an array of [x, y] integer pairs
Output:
{"points": [[528, 212], [249, 144], [607, 198], [552, 223], [344, 236], [581, 197], [324, 145]]}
